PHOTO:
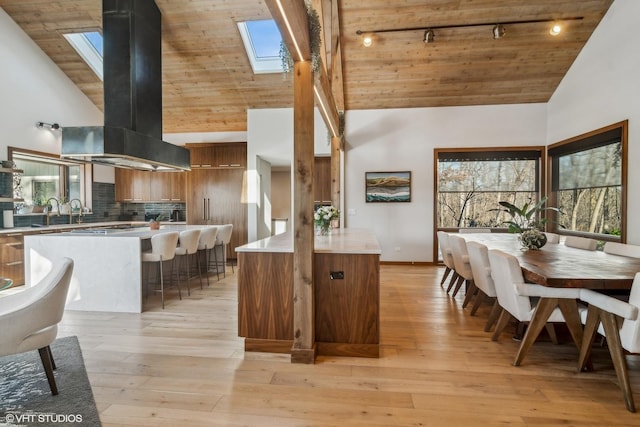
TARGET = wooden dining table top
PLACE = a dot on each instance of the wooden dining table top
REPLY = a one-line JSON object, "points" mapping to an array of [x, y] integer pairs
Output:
{"points": [[557, 265]]}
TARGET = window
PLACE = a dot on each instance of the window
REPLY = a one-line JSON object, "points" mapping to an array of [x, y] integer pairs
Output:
{"points": [[262, 42], [587, 182], [45, 176], [470, 183], [89, 47]]}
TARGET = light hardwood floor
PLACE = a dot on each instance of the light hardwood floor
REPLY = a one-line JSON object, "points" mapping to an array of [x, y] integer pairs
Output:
{"points": [[185, 366]]}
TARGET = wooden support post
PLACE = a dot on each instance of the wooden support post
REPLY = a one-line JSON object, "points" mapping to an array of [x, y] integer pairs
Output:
{"points": [[304, 343], [335, 172]]}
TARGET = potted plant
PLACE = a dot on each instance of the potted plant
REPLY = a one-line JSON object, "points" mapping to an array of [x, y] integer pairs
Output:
{"points": [[38, 203], [154, 224], [527, 222]]}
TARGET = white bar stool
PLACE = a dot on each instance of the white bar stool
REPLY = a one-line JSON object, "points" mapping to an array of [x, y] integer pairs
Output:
{"points": [[188, 246], [163, 248], [206, 243]]}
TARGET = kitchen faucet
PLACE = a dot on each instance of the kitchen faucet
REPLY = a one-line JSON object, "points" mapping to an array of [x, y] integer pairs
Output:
{"points": [[71, 211], [48, 211]]}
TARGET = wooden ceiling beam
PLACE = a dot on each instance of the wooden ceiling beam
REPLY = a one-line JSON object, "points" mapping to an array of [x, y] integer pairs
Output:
{"points": [[293, 22]]}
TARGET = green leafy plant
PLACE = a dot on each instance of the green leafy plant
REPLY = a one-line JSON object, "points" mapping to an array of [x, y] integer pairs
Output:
{"points": [[526, 217], [315, 30]]}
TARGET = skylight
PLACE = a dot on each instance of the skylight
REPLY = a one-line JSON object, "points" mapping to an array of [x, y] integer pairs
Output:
{"points": [[262, 43], [89, 46]]}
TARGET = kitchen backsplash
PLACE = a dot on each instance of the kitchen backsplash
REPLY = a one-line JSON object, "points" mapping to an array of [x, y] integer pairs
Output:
{"points": [[105, 208]]}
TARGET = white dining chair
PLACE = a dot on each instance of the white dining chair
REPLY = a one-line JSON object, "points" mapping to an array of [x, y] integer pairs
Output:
{"points": [[474, 230], [188, 245], [463, 267], [519, 299], [163, 248], [552, 237], [624, 249], [601, 317], [581, 243], [29, 319], [206, 243], [479, 260], [447, 257]]}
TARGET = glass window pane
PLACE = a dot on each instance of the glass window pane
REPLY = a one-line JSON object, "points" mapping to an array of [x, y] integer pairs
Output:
{"points": [[592, 168], [469, 190], [39, 181]]}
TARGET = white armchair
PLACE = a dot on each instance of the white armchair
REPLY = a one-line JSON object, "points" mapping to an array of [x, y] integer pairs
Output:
{"points": [[601, 317], [30, 318]]}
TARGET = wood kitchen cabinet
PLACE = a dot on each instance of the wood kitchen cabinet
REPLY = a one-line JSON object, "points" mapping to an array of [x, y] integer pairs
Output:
{"points": [[12, 257], [214, 194], [167, 186], [322, 181], [132, 185]]}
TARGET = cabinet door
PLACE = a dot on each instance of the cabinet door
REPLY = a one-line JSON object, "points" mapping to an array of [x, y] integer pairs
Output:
{"points": [[160, 186], [178, 187], [226, 205], [132, 185], [201, 157], [322, 180], [12, 257], [198, 196]]}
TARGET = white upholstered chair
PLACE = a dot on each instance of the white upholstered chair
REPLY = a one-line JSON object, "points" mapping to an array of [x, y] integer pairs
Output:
{"points": [[518, 300], [222, 240], [188, 245], [447, 258], [206, 243], [624, 249], [479, 260], [463, 267], [581, 243], [552, 237], [601, 317], [163, 248], [474, 230], [30, 318]]}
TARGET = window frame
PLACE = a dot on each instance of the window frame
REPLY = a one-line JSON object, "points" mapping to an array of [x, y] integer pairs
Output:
{"points": [[86, 171], [471, 152], [584, 142]]}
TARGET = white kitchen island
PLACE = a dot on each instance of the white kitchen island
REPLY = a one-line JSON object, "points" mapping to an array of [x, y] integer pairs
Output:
{"points": [[107, 273]]}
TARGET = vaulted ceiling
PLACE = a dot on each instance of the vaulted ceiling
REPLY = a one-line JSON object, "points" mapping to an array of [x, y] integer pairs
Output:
{"points": [[208, 83]]}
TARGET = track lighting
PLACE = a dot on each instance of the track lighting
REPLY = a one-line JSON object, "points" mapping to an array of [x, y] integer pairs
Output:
{"points": [[50, 126], [429, 36], [498, 31]]}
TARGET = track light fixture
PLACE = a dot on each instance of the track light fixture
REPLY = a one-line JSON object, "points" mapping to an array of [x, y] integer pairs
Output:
{"points": [[50, 126], [429, 36], [498, 31]]}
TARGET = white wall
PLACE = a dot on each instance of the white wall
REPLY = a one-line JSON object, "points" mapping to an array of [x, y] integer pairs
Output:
{"points": [[32, 89], [270, 138], [404, 140], [603, 87]]}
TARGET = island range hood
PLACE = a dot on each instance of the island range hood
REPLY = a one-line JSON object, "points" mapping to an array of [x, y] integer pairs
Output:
{"points": [[132, 133]]}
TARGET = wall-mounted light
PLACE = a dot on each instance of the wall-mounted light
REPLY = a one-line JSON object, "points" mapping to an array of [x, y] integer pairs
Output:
{"points": [[555, 30], [367, 41], [429, 36], [50, 126], [498, 31]]}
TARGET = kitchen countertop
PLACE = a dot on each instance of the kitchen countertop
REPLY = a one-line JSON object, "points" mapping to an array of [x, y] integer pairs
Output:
{"points": [[69, 227], [341, 241]]}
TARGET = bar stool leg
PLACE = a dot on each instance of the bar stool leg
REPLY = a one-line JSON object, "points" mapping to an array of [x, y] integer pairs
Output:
{"points": [[161, 283]]}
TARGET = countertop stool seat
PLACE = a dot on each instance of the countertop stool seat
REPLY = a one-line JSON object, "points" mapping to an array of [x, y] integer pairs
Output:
{"points": [[222, 240], [163, 248], [206, 243], [188, 245]]}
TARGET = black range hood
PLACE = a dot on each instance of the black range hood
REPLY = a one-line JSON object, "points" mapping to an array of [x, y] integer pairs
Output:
{"points": [[132, 133]]}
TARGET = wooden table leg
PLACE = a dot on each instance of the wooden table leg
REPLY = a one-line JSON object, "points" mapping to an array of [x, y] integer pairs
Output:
{"points": [[543, 310]]}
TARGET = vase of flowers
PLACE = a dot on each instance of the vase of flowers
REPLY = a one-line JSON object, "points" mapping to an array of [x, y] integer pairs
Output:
{"points": [[323, 217]]}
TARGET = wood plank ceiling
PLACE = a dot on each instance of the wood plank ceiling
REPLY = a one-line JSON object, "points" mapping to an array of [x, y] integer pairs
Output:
{"points": [[208, 84]]}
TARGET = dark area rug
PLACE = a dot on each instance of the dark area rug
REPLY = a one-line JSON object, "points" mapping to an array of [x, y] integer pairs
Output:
{"points": [[25, 396]]}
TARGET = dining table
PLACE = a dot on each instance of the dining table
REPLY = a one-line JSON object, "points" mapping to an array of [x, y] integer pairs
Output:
{"points": [[560, 266]]}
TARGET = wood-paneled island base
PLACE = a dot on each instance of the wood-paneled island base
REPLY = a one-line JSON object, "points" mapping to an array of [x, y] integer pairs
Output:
{"points": [[346, 309]]}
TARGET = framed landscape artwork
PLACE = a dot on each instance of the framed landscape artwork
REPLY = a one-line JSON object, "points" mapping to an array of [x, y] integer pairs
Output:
{"points": [[388, 187]]}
